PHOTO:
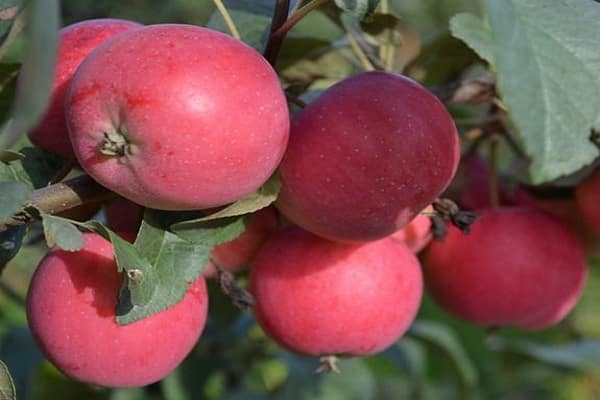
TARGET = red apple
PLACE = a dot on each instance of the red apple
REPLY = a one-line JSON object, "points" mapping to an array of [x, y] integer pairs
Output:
{"points": [[239, 253], [75, 43], [366, 157], [518, 267], [319, 297], [587, 195], [124, 217], [71, 312], [177, 117]]}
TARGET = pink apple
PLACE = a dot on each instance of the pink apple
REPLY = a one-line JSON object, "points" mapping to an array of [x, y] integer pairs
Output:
{"points": [[319, 297], [366, 157], [417, 233], [177, 117], [71, 312], [239, 253], [75, 43], [518, 267]]}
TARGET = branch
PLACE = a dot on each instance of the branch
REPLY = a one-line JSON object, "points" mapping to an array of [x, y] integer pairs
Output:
{"points": [[280, 14], [60, 197]]}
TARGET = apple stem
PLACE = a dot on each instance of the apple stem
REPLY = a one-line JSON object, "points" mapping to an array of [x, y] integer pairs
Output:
{"points": [[240, 297], [227, 18]]}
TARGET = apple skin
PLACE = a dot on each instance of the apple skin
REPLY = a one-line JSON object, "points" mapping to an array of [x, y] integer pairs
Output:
{"points": [[417, 233], [239, 253], [124, 218], [518, 267], [587, 196], [195, 118], [366, 157], [318, 297], [76, 41], [71, 312]]}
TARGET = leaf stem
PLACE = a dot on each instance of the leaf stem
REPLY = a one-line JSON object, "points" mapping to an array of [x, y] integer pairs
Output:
{"points": [[227, 18], [358, 51]]}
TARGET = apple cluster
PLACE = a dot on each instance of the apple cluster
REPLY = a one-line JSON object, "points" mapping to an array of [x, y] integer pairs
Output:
{"points": [[177, 117]]}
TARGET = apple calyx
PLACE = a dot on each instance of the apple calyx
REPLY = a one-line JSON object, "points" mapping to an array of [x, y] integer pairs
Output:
{"points": [[115, 144]]}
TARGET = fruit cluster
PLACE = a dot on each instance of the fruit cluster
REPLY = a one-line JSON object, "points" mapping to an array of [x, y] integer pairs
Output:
{"points": [[176, 117]]}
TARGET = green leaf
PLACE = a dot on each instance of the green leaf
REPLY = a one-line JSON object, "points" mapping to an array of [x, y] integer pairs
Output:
{"points": [[7, 386], [548, 74], [8, 11], [358, 8], [158, 268], [584, 355], [262, 198], [213, 232], [443, 338], [8, 156], [36, 75], [475, 33], [12, 197], [62, 233], [10, 243], [36, 169]]}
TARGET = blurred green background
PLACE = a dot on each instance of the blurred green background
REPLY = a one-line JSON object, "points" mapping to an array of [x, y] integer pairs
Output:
{"points": [[440, 358]]}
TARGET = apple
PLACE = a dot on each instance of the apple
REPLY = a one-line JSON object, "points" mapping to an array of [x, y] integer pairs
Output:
{"points": [[71, 306], [587, 196], [518, 267], [124, 217], [417, 233], [76, 41], [239, 253], [318, 297], [366, 157], [177, 117]]}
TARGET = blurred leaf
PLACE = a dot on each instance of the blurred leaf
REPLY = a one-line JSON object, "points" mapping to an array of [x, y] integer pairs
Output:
{"points": [[20, 353], [8, 156], [358, 8], [37, 73], [355, 382], [548, 72], [36, 169], [262, 198], [8, 11], [7, 386], [158, 268], [410, 355], [443, 338], [583, 355], [62, 233], [10, 243], [8, 84], [473, 31], [210, 232], [45, 382], [12, 197]]}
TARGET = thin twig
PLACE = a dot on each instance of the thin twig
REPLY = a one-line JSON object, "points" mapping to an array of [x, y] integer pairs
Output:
{"points": [[279, 31], [274, 43], [60, 197], [358, 51], [227, 18]]}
